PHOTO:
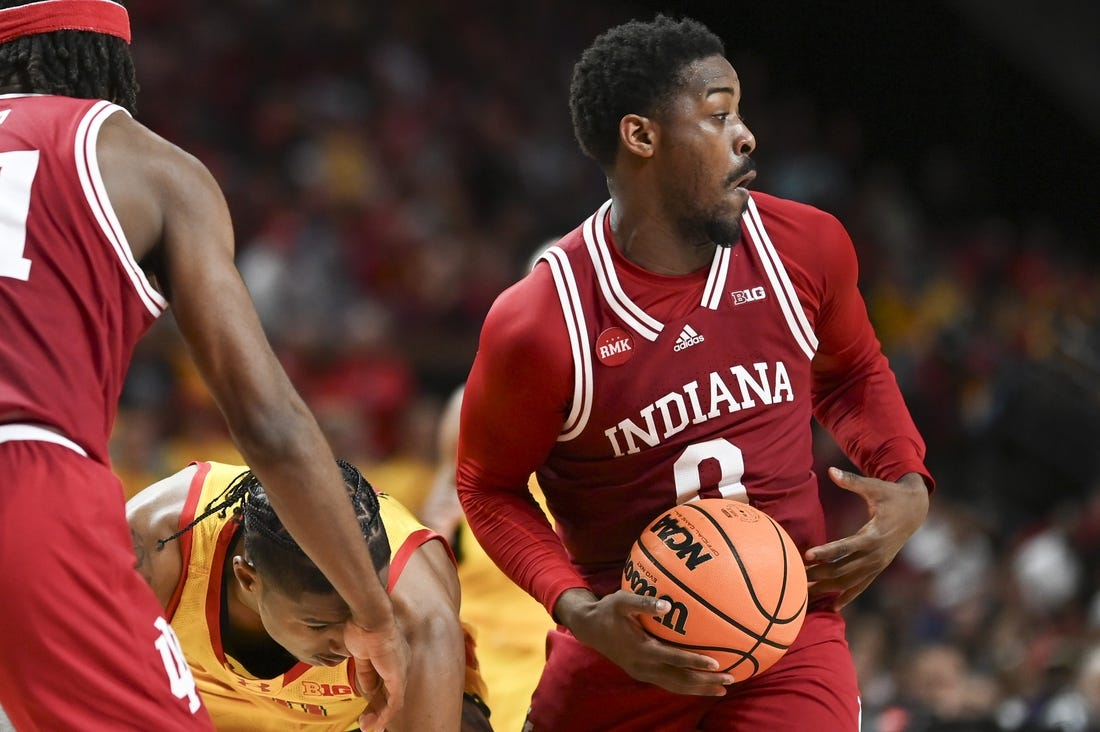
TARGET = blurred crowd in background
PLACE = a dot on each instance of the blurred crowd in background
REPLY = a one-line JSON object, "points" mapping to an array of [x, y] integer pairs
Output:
{"points": [[391, 167]]}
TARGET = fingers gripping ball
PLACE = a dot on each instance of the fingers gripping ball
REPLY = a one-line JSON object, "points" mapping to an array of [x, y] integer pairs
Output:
{"points": [[734, 578]]}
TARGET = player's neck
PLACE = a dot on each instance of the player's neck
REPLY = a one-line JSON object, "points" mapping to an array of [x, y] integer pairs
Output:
{"points": [[657, 245]]}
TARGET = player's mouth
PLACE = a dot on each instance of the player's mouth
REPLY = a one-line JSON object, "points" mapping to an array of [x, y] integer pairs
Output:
{"points": [[744, 179], [326, 660]]}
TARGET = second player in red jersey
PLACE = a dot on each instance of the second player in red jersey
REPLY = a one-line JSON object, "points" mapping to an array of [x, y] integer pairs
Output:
{"points": [[678, 345], [102, 223]]}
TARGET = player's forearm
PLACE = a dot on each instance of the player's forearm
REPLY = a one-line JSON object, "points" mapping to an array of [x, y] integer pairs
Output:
{"points": [[437, 674], [516, 535], [870, 421]]}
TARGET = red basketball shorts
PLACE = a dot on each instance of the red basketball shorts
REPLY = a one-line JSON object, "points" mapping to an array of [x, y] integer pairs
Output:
{"points": [[813, 687], [82, 637]]}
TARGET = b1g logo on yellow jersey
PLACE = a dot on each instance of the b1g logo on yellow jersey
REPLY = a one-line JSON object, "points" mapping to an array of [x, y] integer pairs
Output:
{"points": [[312, 688]]}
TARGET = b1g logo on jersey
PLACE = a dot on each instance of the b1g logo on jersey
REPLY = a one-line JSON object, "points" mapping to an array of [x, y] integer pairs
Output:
{"points": [[614, 347], [313, 688], [751, 294]]}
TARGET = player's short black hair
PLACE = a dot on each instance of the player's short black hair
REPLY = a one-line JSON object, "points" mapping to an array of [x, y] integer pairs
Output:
{"points": [[276, 555], [633, 68], [70, 63], [271, 549]]}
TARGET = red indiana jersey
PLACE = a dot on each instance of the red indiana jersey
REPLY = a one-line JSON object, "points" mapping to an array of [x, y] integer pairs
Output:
{"points": [[73, 302], [628, 392]]}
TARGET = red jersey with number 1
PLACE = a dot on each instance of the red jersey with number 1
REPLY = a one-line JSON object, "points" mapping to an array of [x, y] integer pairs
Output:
{"points": [[73, 302], [629, 392]]}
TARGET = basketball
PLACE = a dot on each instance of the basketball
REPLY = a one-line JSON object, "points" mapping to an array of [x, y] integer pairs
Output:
{"points": [[734, 577]]}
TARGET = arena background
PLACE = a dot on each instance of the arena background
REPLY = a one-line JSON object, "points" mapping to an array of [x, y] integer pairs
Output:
{"points": [[390, 168]]}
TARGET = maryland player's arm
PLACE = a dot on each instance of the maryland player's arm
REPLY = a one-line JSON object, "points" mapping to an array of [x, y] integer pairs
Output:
{"points": [[154, 514], [426, 601]]}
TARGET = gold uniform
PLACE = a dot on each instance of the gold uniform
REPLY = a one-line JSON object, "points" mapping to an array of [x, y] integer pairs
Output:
{"points": [[511, 629], [306, 697]]}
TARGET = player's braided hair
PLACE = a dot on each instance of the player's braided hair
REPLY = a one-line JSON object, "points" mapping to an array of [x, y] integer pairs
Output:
{"points": [[270, 547], [633, 68], [70, 63]]}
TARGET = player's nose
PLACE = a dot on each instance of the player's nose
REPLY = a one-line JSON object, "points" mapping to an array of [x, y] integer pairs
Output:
{"points": [[337, 648]]}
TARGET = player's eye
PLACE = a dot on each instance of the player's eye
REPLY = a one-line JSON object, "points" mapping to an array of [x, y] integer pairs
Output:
{"points": [[317, 627]]}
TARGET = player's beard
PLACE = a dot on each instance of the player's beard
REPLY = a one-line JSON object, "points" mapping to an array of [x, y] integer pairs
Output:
{"points": [[722, 227], [724, 232]]}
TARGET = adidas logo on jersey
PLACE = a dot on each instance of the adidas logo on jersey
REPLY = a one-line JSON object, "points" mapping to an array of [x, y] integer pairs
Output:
{"points": [[688, 338]]}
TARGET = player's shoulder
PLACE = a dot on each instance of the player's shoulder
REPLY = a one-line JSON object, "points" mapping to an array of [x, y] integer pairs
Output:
{"points": [[799, 228], [125, 141], [795, 212], [524, 301]]}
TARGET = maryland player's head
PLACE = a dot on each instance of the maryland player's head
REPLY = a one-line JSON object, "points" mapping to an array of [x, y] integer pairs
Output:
{"points": [[297, 605], [274, 553], [74, 48], [284, 594]]}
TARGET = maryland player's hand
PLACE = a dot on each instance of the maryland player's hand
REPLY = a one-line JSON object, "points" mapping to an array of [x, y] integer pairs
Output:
{"points": [[846, 567], [381, 671], [611, 626]]}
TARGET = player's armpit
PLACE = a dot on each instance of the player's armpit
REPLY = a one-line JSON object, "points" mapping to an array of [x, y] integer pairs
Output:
{"points": [[142, 562]]}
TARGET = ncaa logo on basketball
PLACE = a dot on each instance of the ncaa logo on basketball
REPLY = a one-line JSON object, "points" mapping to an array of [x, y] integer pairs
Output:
{"points": [[681, 541], [752, 294], [614, 347]]}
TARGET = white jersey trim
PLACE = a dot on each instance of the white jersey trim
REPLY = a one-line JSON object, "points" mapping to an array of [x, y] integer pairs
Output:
{"points": [[716, 280], [780, 282], [569, 296], [599, 250], [95, 193], [16, 432]]}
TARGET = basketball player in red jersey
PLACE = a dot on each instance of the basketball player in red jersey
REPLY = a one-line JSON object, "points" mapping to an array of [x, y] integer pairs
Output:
{"points": [[677, 345], [103, 224]]}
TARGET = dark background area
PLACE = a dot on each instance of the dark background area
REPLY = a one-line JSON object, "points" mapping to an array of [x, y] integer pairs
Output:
{"points": [[922, 76]]}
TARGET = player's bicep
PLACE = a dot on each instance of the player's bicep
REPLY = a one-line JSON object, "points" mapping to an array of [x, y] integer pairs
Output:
{"points": [[519, 389], [214, 309]]}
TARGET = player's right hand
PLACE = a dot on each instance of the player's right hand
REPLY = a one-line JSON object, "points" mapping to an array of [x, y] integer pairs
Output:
{"points": [[381, 671], [611, 626]]}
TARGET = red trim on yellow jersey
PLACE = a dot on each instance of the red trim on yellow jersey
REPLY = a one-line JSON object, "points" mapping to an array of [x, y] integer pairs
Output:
{"points": [[187, 515], [217, 586], [414, 541]]}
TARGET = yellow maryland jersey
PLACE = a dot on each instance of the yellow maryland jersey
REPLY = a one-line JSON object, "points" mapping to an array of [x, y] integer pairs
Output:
{"points": [[306, 697]]}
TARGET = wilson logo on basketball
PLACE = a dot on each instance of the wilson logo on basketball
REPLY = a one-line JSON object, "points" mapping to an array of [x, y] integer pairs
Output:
{"points": [[676, 618], [681, 541]]}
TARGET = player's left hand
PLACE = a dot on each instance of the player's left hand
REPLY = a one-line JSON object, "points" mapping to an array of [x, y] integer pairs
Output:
{"points": [[847, 566], [381, 671]]}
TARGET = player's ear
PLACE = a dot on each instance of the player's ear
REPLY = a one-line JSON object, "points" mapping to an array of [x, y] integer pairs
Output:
{"points": [[245, 573], [638, 135]]}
